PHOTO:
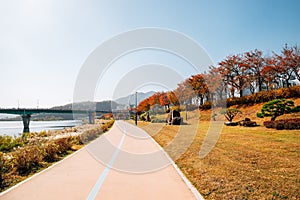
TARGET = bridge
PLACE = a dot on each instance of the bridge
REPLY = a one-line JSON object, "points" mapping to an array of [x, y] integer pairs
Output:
{"points": [[26, 114]]}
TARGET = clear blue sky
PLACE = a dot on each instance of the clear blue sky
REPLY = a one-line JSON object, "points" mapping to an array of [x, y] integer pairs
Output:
{"points": [[43, 43]]}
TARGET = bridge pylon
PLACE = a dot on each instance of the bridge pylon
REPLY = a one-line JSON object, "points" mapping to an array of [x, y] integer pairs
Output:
{"points": [[92, 115], [26, 121]]}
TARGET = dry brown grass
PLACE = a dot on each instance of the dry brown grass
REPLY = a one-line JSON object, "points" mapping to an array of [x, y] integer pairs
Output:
{"points": [[246, 163]]}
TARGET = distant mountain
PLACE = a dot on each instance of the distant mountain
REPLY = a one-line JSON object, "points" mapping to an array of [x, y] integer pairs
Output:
{"points": [[101, 106], [119, 104], [130, 99]]}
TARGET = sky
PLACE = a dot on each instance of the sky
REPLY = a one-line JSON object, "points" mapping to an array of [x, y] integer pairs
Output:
{"points": [[44, 43]]}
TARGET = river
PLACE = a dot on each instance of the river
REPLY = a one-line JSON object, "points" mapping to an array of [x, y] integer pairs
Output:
{"points": [[16, 127]]}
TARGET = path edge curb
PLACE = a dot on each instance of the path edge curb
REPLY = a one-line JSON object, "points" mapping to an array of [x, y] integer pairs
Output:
{"points": [[39, 173], [180, 173]]}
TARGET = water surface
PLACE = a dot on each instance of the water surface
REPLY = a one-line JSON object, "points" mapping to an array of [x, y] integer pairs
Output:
{"points": [[16, 127]]}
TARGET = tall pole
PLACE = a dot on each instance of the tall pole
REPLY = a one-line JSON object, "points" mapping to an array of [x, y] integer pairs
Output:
{"points": [[136, 108], [186, 117]]}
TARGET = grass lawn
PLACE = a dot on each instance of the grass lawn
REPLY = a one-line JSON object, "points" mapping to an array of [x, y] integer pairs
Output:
{"points": [[246, 163]]}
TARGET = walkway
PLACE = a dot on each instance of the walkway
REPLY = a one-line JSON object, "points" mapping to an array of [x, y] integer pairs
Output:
{"points": [[128, 172]]}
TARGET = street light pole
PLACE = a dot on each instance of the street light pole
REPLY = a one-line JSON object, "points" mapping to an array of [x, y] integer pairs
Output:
{"points": [[136, 108], [186, 117]]}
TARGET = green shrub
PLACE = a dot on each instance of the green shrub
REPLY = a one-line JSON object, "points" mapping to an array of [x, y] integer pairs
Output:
{"points": [[276, 108], [259, 115], [8, 143], [295, 109]]}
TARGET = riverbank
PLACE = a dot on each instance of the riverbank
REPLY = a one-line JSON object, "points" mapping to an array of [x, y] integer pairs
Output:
{"points": [[30, 153]]}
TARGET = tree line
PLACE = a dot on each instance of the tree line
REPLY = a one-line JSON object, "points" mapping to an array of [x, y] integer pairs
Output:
{"points": [[250, 71]]}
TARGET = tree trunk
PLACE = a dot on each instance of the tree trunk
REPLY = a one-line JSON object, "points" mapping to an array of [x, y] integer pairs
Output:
{"points": [[232, 93], [259, 85], [241, 93], [201, 100], [273, 117]]}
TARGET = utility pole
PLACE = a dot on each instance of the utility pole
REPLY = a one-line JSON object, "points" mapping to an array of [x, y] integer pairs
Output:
{"points": [[186, 117], [136, 108]]}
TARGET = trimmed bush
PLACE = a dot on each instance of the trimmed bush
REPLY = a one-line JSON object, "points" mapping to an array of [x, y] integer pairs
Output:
{"points": [[269, 124], [265, 96], [279, 126], [290, 124], [276, 108]]}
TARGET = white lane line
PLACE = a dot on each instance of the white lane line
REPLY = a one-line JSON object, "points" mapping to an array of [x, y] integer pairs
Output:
{"points": [[99, 183]]}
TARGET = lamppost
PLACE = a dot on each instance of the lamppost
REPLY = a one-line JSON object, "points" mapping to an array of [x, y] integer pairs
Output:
{"points": [[186, 116], [136, 108]]}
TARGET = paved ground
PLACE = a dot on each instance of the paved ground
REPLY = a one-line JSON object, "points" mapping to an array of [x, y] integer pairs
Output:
{"points": [[124, 163]]}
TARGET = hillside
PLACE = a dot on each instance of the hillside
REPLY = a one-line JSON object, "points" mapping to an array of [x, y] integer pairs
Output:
{"points": [[103, 106], [250, 112]]}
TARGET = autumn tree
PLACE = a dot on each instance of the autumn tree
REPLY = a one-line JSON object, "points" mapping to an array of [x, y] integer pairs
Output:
{"points": [[271, 74], [295, 61], [172, 98], [288, 64], [144, 106], [184, 92], [234, 73], [164, 101], [199, 86], [154, 99], [215, 82], [254, 63]]}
